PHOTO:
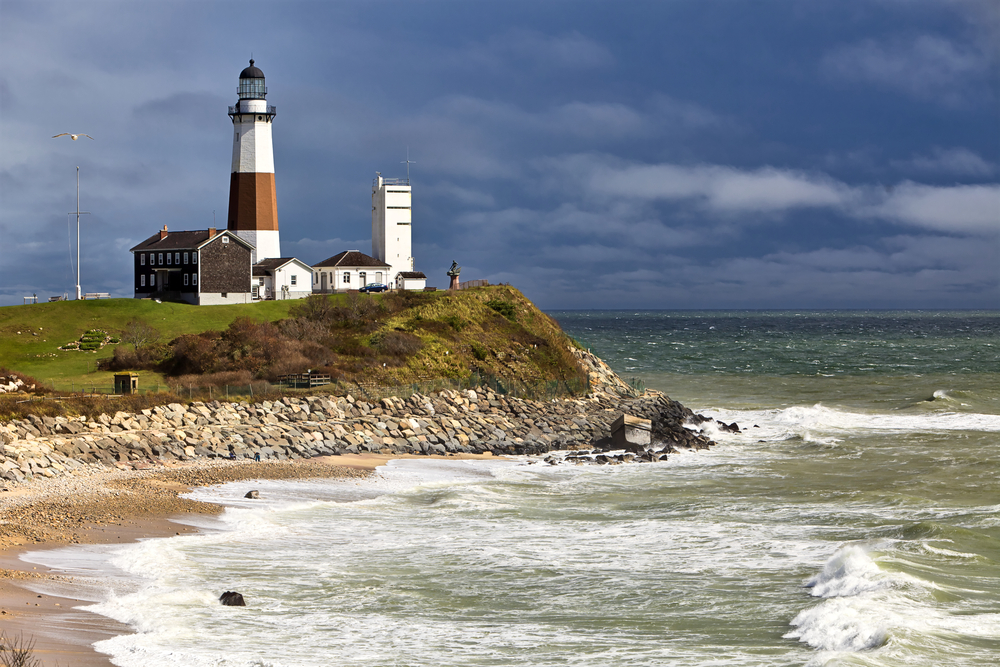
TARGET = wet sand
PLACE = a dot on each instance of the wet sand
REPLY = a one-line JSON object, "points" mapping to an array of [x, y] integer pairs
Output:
{"points": [[113, 507]]}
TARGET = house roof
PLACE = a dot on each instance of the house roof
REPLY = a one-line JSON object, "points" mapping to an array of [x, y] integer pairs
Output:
{"points": [[412, 274], [267, 267], [351, 258], [184, 240]]}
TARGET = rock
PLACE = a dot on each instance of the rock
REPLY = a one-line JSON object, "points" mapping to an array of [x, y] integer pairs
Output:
{"points": [[253, 495], [232, 599]]}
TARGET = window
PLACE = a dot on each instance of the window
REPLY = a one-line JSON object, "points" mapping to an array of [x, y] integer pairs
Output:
{"points": [[152, 280], [168, 258], [142, 280], [185, 279], [161, 258], [295, 279], [225, 239], [194, 258], [142, 259], [177, 258], [347, 277], [185, 258], [194, 278], [225, 295]]}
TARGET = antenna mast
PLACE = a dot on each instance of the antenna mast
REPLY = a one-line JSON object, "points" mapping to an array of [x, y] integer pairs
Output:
{"points": [[407, 162], [78, 213]]}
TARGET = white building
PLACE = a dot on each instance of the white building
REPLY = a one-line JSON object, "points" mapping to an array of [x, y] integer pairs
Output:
{"points": [[413, 280], [282, 278], [253, 203], [391, 224], [349, 270]]}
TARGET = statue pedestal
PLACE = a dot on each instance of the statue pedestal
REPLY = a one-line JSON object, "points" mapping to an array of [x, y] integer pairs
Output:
{"points": [[454, 283]]}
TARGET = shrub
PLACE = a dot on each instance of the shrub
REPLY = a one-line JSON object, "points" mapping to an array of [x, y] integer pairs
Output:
{"points": [[315, 308], [400, 344], [478, 351], [17, 651], [455, 322], [139, 334], [505, 308]]}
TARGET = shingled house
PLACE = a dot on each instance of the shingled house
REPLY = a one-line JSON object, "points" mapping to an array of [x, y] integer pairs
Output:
{"points": [[203, 267]]}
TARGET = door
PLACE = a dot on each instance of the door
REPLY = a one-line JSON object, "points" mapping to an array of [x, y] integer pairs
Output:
{"points": [[362, 277]]}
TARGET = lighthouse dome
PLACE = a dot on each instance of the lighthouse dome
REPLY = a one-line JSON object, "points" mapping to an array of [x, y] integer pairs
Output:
{"points": [[252, 83], [251, 72]]}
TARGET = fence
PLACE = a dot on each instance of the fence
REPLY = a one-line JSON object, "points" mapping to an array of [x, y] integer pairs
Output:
{"points": [[473, 283], [369, 392]]}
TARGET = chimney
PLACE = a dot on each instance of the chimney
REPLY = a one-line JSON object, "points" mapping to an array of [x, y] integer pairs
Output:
{"points": [[211, 232], [163, 233]]}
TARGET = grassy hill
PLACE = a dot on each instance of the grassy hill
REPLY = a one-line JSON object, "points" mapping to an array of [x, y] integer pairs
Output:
{"points": [[388, 339]]}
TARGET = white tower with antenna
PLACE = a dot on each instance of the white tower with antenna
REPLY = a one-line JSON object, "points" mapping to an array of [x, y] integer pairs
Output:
{"points": [[391, 223]]}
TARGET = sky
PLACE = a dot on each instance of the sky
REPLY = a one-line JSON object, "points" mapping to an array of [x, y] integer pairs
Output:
{"points": [[672, 154]]}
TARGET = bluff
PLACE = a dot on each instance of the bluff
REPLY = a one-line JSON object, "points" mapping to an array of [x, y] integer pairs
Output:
{"points": [[440, 423]]}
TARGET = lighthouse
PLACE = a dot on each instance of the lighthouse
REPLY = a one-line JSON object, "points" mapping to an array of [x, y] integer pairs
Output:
{"points": [[253, 206]]}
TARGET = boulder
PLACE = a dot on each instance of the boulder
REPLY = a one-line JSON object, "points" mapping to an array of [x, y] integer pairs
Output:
{"points": [[232, 599], [253, 495]]}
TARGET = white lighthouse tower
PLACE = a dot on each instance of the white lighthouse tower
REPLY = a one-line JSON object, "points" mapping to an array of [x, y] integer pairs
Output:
{"points": [[391, 218], [253, 206]]}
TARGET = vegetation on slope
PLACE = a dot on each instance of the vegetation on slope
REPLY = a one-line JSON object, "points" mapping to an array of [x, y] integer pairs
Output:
{"points": [[390, 339]]}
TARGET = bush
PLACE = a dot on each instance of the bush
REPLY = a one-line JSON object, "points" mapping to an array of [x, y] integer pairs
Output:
{"points": [[455, 322], [17, 651], [479, 352], [505, 308], [315, 308], [400, 344]]}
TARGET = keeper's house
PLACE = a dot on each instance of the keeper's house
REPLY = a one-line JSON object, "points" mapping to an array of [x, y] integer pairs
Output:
{"points": [[203, 267], [349, 270], [282, 278]]}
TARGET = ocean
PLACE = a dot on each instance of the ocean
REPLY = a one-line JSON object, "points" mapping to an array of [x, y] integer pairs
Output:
{"points": [[855, 520]]}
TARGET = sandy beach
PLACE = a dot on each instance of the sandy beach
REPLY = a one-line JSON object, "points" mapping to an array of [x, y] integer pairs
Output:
{"points": [[108, 507]]}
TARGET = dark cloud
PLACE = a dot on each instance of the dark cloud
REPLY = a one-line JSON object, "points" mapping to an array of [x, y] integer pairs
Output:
{"points": [[629, 155]]}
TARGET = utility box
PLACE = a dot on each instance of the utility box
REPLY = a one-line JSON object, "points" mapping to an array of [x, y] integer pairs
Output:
{"points": [[633, 434], [126, 383]]}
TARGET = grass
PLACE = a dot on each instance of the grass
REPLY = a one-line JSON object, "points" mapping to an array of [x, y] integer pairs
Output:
{"points": [[495, 331], [60, 322]]}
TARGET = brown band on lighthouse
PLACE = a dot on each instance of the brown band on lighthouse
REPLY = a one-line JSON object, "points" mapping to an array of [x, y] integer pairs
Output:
{"points": [[253, 204]]}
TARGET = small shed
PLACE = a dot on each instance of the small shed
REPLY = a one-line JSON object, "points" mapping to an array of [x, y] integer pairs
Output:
{"points": [[126, 383], [412, 280]]}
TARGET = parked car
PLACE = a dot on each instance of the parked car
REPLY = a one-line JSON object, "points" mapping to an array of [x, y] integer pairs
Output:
{"points": [[373, 287]]}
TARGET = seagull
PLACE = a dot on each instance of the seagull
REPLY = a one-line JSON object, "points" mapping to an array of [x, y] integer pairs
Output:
{"points": [[73, 136]]}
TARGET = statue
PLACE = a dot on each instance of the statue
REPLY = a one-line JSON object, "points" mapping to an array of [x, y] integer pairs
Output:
{"points": [[453, 273]]}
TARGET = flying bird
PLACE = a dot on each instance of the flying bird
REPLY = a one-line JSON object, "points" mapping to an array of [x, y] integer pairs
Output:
{"points": [[74, 136]]}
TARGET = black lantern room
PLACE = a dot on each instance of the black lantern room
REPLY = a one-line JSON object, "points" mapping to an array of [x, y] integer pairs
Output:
{"points": [[252, 84]]}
